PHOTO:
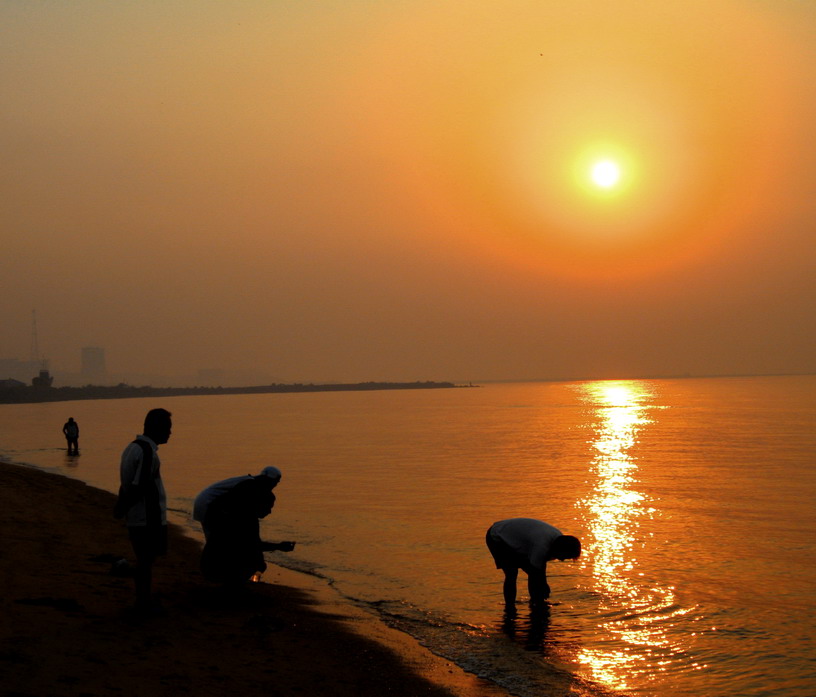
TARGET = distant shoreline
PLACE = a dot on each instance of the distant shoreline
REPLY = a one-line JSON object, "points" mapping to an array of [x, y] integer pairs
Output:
{"points": [[28, 394]]}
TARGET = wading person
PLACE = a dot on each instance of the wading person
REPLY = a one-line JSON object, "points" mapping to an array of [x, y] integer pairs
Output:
{"points": [[143, 503], [528, 544], [71, 432]]}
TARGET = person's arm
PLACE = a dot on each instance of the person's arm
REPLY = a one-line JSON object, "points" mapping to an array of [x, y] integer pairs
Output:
{"points": [[277, 546], [136, 469], [537, 585], [129, 466], [131, 478]]}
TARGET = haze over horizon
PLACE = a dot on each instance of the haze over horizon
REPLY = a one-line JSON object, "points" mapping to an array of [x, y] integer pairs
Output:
{"points": [[344, 192]]}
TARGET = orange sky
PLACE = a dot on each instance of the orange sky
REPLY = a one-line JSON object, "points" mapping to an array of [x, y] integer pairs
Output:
{"points": [[354, 191]]}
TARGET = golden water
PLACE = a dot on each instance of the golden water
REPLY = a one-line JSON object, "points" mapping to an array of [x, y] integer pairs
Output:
{"points": [[694, 499]]}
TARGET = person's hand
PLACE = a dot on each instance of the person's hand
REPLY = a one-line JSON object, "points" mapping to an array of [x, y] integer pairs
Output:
{"points": [[546, 591], [286, 546]]}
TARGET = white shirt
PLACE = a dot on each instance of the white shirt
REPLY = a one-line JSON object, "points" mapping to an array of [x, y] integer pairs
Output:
{"points": [[130, 473], [212, 492], [527, 536]]}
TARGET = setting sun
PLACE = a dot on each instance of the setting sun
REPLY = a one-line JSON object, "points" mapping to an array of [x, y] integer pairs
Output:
{"points": [[605, 174]]}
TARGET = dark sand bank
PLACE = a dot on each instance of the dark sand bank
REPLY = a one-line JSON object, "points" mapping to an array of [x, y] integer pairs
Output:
{"points": [[64, 629]]}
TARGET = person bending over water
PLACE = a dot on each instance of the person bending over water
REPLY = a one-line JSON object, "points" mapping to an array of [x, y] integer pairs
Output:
{"points": [[269, 477], [233, 552], [528, 544]]}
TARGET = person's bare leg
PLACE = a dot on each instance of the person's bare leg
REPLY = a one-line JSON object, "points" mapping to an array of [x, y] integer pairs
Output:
{"points": [[510, 577]]}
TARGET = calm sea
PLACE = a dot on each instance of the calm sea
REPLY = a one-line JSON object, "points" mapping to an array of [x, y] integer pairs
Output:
{"points": [[695, 501]]}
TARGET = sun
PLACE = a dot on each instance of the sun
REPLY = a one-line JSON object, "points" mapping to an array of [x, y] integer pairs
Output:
{"points": [[605, 173]]}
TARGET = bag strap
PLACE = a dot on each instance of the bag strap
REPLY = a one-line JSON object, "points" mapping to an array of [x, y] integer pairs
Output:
{"points": [[146, 489], [147, 459], [147, 484]]}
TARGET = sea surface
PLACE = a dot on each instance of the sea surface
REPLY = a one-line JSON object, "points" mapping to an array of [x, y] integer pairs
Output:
{"points": [[695, 501]]}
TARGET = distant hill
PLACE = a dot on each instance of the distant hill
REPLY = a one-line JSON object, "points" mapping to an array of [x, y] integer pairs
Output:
{"points": [[16, 394]]}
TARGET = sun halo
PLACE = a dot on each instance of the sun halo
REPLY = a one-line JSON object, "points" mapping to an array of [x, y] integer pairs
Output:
{"points": [[605, 174]]}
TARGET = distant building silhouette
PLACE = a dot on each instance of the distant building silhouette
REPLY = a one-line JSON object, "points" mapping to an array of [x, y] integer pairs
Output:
{"points": [[42, 379], [94, 371]]}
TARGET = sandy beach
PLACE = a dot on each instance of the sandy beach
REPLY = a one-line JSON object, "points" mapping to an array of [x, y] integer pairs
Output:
{"points": [[66, 629]]}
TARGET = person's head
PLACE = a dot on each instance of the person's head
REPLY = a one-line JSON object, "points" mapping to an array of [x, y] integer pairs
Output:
{"points": [[269, 476], [70, 418], [158, 425], [565, 547]]}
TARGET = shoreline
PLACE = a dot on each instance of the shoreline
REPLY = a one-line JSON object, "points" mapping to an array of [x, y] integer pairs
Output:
{"points": [[66, 631], [28, 394]]}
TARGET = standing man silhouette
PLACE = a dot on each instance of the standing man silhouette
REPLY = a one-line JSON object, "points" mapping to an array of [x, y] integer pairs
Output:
{"points": [[71, 432], [143, 503]]}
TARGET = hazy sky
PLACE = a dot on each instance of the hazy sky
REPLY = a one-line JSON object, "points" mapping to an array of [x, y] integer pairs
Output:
{"points": [[353, 190]]}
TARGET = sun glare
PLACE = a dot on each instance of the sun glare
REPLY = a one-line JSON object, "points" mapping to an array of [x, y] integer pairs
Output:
{"points": [[605, 174]]}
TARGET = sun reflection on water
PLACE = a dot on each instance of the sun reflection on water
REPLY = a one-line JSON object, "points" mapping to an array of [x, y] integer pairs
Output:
{"points": [[633, 616]]}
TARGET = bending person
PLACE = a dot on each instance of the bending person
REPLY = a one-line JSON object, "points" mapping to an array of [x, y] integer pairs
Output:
{"points": [[528, 544], [269, 477], [233, 552]]}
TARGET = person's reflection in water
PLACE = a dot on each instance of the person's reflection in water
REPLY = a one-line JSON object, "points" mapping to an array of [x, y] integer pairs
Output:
{"points": [[530, 633], [539, 626]]}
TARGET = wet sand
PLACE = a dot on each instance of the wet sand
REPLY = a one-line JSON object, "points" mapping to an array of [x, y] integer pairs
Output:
{"points": [[65, 628]]}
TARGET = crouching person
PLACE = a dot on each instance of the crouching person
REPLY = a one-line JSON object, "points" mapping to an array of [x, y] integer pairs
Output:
{"points": [[233, 552]]}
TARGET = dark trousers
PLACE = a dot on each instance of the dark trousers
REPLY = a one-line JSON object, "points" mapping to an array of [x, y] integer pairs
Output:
{"points": [[149, 542]]}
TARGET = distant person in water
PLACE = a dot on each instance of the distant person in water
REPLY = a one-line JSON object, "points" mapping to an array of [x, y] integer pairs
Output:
{"points": [[528, 544], [143, 503], [269, 477], [71, 432], [233, 552]]}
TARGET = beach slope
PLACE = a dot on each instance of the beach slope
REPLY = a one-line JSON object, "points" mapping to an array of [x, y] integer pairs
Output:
{"points": [[65, 627]]}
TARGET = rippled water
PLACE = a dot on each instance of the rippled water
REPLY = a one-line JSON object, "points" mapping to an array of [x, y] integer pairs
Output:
{"points": [[694, 499]]}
